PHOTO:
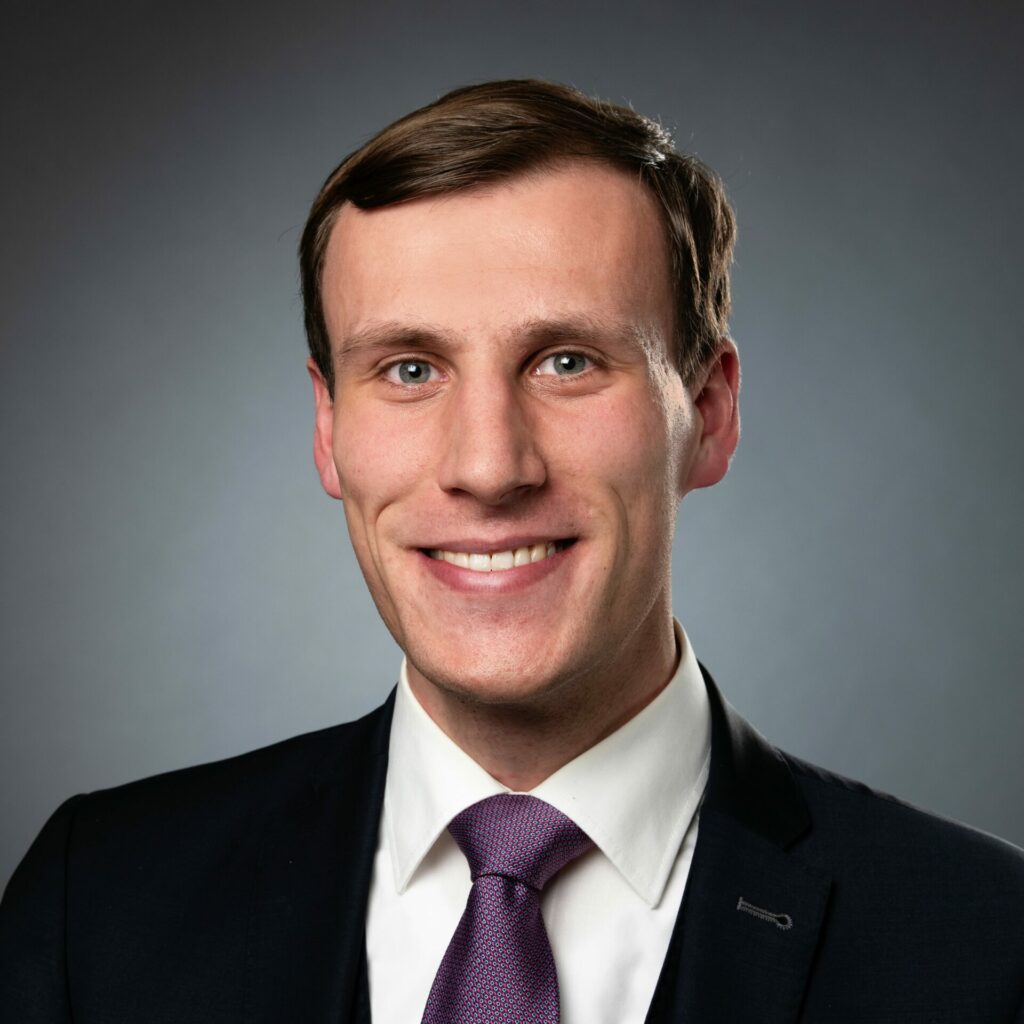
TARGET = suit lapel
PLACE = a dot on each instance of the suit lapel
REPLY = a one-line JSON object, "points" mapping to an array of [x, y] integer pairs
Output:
{"points": [[741, 950], [306, 952], [745, 938]]}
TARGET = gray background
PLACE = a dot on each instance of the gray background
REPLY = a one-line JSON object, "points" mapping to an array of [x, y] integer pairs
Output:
{"points": [[175, 586]]}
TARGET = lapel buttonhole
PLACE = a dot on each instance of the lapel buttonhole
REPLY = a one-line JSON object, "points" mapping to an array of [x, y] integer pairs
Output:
{"points": [[783, 921]]}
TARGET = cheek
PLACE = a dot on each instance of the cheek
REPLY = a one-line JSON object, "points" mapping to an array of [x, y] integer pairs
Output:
{"points": [[629, 445], [377, 460]]}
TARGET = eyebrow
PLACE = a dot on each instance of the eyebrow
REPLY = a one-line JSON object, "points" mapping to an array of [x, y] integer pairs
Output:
{"points": [[385, 335], [580, 327], [395, 335]]}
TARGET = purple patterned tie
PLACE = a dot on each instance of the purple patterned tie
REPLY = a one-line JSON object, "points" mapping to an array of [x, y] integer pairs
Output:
{"points": [[498, 966]]}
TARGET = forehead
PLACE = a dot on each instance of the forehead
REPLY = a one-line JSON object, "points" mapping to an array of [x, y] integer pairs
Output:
{"points": [[576, 240]]}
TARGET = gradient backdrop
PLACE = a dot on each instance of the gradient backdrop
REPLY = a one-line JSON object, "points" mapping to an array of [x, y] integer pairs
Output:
{"points": [[176, 587]]}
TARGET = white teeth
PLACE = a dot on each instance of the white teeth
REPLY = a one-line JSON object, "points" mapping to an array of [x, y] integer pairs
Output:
{"points": [[496, 561], [503, 560]]}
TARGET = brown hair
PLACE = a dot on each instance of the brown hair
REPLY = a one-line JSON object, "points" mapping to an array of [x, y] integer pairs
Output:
{"points": [[484, 133]]}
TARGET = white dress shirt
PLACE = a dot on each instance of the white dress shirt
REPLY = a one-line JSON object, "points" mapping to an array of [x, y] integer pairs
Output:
{"points": [[609, 915]]}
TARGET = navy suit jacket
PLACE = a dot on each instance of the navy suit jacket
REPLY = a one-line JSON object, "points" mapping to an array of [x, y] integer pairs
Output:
{"points": [[236, 892]]}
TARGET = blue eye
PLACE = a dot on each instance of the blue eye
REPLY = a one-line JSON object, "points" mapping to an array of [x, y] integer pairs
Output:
{"points": [[411, 371], [564, 364]]}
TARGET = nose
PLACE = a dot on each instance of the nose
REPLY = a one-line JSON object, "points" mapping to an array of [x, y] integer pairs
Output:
{"points": [[491, 450]]}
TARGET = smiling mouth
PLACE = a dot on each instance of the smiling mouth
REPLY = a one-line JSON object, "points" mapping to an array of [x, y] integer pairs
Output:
{"points": [[499, 561]]}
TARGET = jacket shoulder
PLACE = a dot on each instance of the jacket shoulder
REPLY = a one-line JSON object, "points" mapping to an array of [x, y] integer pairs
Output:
{"points": [[120, 879], [929, 908], [854, 821], [910, 887], [210, 797]]}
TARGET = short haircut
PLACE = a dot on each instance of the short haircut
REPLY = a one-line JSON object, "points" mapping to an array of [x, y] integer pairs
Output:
{"points": [[485, 133]]}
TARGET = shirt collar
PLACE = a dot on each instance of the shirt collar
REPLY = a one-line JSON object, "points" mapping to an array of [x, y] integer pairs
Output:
{"points": [[634, 793]]}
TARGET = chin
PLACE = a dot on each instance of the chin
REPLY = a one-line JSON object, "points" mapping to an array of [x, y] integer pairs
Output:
{"points": [[495, 682]]}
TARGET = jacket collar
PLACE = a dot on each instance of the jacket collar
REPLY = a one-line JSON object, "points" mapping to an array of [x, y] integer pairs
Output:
{"points": [[750, 781], [305, 943], [745, 938]]}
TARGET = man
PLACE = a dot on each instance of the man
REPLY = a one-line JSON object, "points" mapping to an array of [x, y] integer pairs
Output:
{"points": [[516, 301]]}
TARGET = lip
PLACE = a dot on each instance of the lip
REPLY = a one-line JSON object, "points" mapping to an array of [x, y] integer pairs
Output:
{"points": [[505, 581]]}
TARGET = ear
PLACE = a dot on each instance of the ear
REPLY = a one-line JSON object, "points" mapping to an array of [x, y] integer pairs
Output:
{"points": [[716, 398], [323, 431]]}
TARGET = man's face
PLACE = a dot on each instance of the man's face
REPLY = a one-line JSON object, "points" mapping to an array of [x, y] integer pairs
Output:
{"points": [[505, 400]]}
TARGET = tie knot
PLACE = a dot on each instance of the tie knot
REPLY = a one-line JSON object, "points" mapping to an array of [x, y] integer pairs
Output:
{"points": [[518, 836]]}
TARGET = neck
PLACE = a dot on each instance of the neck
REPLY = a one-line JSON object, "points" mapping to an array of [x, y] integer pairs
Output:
{"points": [[524, 743]]}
